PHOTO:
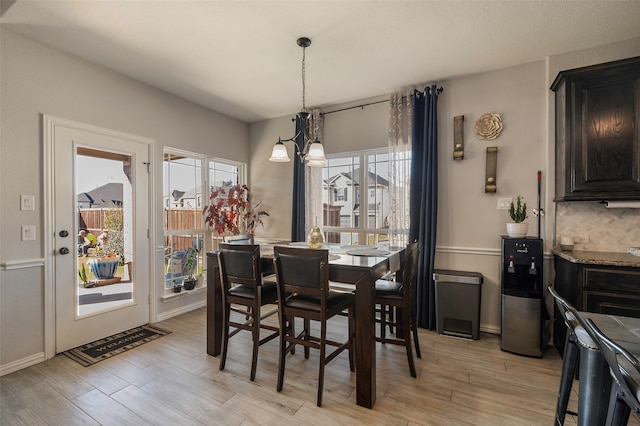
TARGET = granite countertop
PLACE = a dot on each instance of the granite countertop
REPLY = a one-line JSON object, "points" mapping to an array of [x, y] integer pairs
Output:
{"points": [[599, 257]]}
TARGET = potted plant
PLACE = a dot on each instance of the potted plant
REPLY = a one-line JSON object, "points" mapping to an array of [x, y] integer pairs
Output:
{"points": [[230, 211], [177, 288], [190, 265], [518, 213]]}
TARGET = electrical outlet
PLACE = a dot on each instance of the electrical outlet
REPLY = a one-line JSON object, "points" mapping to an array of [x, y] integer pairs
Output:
{"points": [[581, 239], [504, 203]]}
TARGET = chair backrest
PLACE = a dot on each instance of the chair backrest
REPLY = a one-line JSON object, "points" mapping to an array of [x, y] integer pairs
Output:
{"points": [[302, 270], [624, 367], [564, 308], [239, 264], [239, 239], [410, 271]]}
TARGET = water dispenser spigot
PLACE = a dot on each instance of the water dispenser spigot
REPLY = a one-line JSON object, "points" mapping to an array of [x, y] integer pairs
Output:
{"points": [[511, 268], [532, 268]]}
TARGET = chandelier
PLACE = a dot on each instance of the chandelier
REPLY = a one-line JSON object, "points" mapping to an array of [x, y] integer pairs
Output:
{"points": [[307, 149]]}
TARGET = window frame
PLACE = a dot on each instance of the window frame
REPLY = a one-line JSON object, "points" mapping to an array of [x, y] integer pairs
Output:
{"points": [[203, 231], [361, 227]]}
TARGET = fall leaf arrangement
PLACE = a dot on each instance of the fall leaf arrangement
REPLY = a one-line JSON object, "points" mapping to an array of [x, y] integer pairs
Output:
{"points": [[230, 211]]}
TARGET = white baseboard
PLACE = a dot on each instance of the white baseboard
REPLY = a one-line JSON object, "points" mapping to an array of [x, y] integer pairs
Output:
{"points": [[181, 310], [491, 329], [22, 363]]}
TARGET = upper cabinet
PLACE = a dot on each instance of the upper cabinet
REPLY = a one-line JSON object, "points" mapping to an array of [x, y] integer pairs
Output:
{"points": [[598, 132]]}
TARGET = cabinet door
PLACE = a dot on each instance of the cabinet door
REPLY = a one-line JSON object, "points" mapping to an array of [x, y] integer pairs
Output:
{"points": [[606, 134]]}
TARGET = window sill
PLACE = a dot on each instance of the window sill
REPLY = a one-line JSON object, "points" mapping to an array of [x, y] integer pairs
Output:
{"points": [[167, 297]]}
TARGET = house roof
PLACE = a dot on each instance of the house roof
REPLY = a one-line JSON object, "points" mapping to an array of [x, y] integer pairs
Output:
{"points": [[103, 196], [241, 58], [372, 178]]}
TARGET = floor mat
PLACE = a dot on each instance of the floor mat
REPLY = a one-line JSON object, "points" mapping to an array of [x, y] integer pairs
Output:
{"points": [[111, 346]]}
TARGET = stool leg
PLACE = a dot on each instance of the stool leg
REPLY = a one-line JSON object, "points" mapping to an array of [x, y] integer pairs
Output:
{"points": [[594, 390], [569, 365]]}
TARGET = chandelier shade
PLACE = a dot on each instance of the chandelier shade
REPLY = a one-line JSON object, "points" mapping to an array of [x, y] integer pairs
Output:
{"points": [[306, 148]]}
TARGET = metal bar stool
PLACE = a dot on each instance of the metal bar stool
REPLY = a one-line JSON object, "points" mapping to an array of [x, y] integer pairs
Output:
{"points": [[580, 350]]}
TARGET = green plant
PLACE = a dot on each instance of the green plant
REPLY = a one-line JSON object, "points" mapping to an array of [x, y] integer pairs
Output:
{"points": [[518, 212], [191, 262], [114, 222], [82, 273]]}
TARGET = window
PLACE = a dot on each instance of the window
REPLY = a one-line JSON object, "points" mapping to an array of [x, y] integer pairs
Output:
{"points": [[184, 177], [348, 218]]}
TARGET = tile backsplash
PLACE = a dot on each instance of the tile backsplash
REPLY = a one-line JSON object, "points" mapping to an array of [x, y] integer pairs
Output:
{"points": [[613, 230]]}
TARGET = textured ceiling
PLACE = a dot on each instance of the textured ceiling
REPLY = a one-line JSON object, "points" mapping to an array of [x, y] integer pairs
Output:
{"points": [[241, 57]]}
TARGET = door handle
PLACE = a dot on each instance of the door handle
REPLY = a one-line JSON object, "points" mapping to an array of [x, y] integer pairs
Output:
{"points": [[63, 250]]}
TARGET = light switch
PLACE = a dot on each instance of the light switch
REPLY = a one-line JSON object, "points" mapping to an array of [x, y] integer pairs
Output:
{"points": [[27, 202], [28, 233], [504, 203]]}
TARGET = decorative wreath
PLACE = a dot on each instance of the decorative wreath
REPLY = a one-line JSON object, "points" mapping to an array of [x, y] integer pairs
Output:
{"points": [[489, 126]]}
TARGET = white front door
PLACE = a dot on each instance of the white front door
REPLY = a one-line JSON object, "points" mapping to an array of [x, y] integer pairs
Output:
{"points": [[99, 182]]}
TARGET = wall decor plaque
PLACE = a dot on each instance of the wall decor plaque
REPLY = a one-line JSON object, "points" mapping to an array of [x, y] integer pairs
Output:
{"points": [[489, 126]]}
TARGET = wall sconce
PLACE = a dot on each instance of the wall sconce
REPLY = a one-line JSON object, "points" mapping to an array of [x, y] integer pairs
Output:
{"points": [[490, 174], [458, 137]]}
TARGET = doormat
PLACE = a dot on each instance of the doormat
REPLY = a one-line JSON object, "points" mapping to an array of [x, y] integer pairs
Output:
{"points": [[87, 299], [111, 346]]}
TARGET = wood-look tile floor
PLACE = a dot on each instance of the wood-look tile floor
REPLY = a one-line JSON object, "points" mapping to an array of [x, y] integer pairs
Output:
{"points": [[172, 381]]}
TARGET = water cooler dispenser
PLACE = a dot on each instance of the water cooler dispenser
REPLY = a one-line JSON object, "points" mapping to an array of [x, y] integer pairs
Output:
{"points": [[522, 303]]}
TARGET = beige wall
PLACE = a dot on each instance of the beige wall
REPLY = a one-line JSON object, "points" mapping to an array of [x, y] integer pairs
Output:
{"points": [[39, 80], [469, 224]]}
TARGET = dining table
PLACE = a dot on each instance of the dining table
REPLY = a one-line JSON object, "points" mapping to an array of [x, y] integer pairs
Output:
{"points": [[358, 265]]}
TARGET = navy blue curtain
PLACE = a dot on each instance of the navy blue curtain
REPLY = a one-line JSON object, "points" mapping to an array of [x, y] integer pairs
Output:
{"points": [[423, 205], [297, 210]]}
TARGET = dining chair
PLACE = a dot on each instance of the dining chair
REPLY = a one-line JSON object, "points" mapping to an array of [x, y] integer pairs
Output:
{"points": [[303, 292], [245, 291], [400, 296], [581, 353], [625, 371]]}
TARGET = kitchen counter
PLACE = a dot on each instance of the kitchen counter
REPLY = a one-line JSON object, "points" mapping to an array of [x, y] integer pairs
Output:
{"points": [[598, 258]]}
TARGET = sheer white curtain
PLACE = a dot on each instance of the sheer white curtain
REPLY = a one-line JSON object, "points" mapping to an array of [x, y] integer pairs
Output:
{"points": [[313, 181], [400, 134]]}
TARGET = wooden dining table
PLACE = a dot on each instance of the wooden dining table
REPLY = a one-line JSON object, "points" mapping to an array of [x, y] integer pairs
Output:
{"points": [[357, 265]]}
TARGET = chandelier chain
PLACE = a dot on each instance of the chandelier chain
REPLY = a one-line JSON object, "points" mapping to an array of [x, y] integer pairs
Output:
{"points": [[304, 88]]}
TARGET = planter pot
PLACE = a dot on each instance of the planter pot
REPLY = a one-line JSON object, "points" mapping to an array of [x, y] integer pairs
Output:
{"points": [[189, 284], [517, 229], [104, 268], [177, 288]]}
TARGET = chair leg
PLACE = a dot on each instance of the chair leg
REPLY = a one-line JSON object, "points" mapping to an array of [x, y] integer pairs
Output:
{"points": [[594, 385], [619, 411], [323, 361], [383, 322], [284, 330], [414, 328], [406, 332], [255, 334], [225, 337], [569, 366], [307, 335]]}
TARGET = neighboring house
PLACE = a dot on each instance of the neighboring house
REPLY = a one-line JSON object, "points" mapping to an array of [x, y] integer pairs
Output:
{"points": [[345, 190], [103, 196]]}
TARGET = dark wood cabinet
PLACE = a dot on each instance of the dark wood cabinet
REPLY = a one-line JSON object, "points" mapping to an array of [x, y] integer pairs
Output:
{"points": [[598, 132], [613, 290]]}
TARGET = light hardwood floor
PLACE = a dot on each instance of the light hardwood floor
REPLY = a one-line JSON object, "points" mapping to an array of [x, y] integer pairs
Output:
{"points": [[172, 381]]}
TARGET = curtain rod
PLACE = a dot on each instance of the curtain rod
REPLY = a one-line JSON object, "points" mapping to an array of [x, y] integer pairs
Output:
{"points": [[354, 107], [439, 90]]}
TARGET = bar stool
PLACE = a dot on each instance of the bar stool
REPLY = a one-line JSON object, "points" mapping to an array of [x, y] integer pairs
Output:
{"points": [[580, 349], [625, 370]]}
